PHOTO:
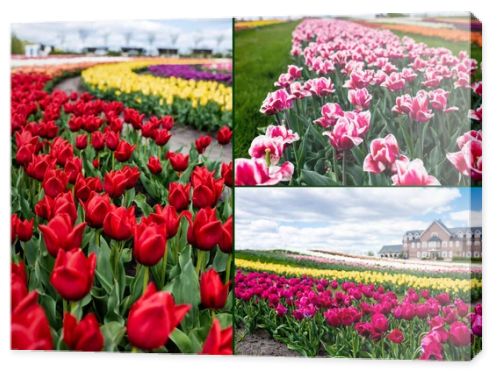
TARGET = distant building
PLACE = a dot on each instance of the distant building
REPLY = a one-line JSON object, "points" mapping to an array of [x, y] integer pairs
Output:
{"points": [[97, 50], [133, 51], [391, 251], [201, 51], [438, 242], [168, 51], [37, 50]]}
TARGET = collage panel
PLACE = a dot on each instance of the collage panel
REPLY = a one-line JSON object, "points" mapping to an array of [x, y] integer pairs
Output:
{"points": [[376, 100], [359, 272], [121, 186]]}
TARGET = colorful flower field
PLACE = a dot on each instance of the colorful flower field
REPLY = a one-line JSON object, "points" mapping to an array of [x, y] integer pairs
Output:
{"points": [[244, 25], [119, 243], [205, 104], [328, 316], [361, 106]]}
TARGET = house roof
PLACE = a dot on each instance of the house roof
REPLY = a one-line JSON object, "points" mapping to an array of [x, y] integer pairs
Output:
{"points": [[451, 231], [396, 248]]}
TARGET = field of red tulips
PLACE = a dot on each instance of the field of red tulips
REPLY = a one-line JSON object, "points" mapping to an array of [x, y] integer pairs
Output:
{"points": [[321, 317], [363, 107], [118, 242]]}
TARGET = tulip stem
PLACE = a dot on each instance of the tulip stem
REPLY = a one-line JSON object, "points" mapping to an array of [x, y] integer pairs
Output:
{"points": [[228, 267], [146, 278], [200, 262], [164, 264], [343, 168]]}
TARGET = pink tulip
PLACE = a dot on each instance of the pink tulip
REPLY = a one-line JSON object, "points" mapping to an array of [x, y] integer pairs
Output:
{"points": [[359, 98], [282, 133], [417, 107], [408, 75], [412, 173], [469, 160], [297, 91], [394, 82], [268, 148], [469, 136], [431, 347], [476, 114], [330, 112], [349, 130], [359, 79], [251, 172], [294, 72], [438, 100], [276, 101], [432, 79], [319, 86], [383, 154], [284, 80]]}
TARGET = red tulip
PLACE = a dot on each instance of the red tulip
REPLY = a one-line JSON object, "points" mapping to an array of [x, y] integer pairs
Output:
{"points": [[219, 341], [81, 141], [207, 190], [396, 336], [149, 242], [96, 208], [133, 117], [98, 141], [85, 186], [161, 136], [178, 161], [18, 286], [54, 182], [111, 139], [24, 229], [61, 150], [24, 154], [227, 173], [154, 165], [153, 317], [124, 151], [205, 230], [202, 143], [39, 166], [30, 329], [59, 233], [73, 273], [63, 203], [213, 292], [43, 208], [119, 223], [115, 183], [166, 216], [84, 335], [14, 220], [178, 195], [224, 135], [226, 240], [132, 174], [73, 168]]}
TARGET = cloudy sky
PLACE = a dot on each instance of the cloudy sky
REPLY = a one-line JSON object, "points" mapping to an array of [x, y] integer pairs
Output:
{"points": [[348, 220], [67, 34]]}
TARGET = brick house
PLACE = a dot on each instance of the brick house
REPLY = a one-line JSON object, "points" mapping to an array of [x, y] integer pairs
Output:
{"points": [[441, 242]]}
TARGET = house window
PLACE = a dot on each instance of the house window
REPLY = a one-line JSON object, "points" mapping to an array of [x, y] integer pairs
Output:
{"points": [[418, 254], [432, 244], [445, 244], [413, 245], [418, 245], [424, 244], [468, 253], [457, 243], [476, 254], [477, 242], [443, 254]]}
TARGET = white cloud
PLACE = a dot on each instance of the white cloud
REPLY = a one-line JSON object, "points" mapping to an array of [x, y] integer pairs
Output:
{"points": [[467, 218], [351, 219]]}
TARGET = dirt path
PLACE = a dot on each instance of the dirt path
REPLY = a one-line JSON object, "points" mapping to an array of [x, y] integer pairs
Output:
{"points": [[260, 343], [182, 136]]}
